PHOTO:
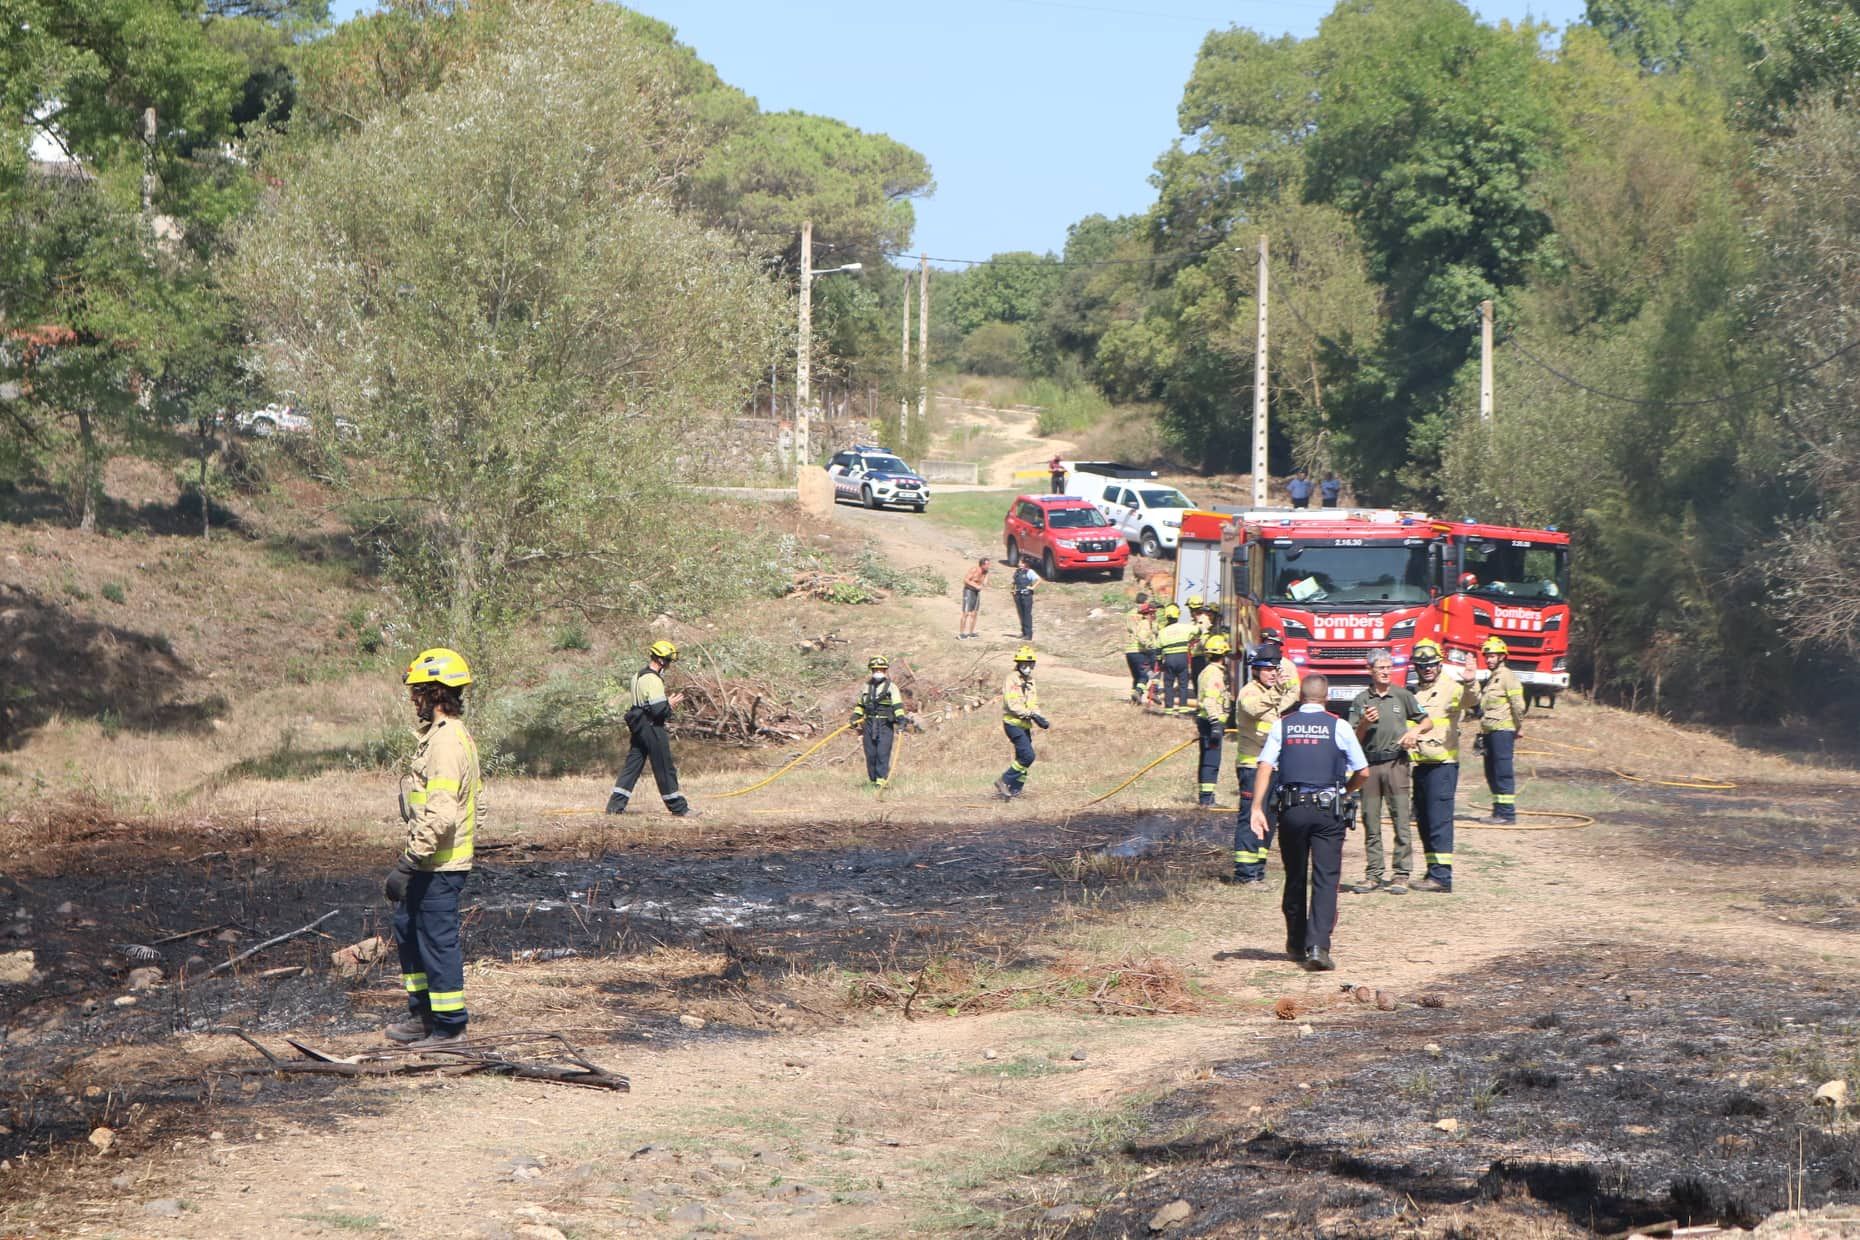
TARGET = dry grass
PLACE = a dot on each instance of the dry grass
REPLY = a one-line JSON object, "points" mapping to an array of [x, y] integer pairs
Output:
{"points": [[952, 986]]}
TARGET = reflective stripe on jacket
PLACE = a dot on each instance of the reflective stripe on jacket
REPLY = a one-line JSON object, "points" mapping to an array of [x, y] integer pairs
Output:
{"points": [[445, 794], [1445, 702], [1139, 633], [1211, 692], [1176, 637], [1501, 702], [880, 702], [1020, 702], [1258, 710]]}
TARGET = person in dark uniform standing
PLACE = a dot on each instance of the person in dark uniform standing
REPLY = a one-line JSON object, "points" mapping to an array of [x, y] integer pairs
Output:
{"points": [[1057, 469], [1331, 488], [1173, 640], [1298, 487], [1213, 705], [1022, 583], [878, 714], [645, 723], [1320, 766], [1020, 714]]}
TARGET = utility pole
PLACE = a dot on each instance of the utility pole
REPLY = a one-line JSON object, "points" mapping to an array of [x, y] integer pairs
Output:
{"points": [[1485, 360], [923, 341], [1259, 389], [904, 366], [803, 346]]}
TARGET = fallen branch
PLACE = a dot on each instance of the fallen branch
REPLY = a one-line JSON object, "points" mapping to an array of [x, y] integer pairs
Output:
{"points": [[189, 934], [469, 1057], [272, 942]]}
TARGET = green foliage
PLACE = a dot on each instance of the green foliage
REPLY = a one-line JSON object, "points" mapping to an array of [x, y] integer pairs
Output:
{"points": [[114, 592], [571, 637], [1009, 288], [489, 282], [922, 583], [994, 349]]}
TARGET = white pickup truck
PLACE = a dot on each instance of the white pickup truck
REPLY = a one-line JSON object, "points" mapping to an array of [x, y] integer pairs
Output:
{"points": [[1146, 512]]}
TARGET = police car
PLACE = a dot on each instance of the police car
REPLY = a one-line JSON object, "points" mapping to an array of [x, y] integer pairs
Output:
{"points": [[876, 478]]}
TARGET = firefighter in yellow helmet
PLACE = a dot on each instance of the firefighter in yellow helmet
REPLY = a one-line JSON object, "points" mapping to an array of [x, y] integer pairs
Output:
{"points": [[878, 714], [1501, 709], [1436, 772], [1213, 705], [442, 802], [1020, 713], [1172, 642], [648, 742]]}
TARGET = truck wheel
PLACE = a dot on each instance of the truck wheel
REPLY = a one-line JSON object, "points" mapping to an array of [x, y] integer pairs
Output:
{"points": [[917, 507], [865, 493], [1013, 553], [1048, 569], [1117, 574], [1150, 545]]}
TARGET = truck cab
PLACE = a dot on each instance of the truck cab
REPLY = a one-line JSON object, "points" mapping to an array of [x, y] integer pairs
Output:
{"points": [[1146, 512], [1513, 583]]}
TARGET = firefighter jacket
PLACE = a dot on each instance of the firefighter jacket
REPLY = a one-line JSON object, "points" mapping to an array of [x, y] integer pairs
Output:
{"points": [[650, 705], [879, 702], [1256, 710], [1139, 632], [1501, 701], [1445, 702], [1020, 701], [1176, 637], [1211, 692], [444, 797]]}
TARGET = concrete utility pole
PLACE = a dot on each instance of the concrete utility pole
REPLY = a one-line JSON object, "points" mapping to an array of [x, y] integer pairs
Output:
{"points": [[923, 340], [1259, 389], [803, 348], [904, 366], [1485, 360], [148, 160]]}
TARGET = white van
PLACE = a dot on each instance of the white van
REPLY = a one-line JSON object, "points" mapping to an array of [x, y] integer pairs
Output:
{"points": [[1146, 512]]}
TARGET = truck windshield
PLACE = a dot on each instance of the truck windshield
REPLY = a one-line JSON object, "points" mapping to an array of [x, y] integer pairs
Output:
{"points": [[1075, 518], [1515, 569], [1388, 573], [1167, 497]]}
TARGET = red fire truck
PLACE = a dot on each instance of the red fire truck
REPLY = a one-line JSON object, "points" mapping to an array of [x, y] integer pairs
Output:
{"points": [[1331, 585], [1503, 581]]}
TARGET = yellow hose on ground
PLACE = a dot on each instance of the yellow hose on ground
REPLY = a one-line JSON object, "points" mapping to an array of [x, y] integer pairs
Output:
{"points": [[1140, 774], [1579, 821], [1712, 785]]}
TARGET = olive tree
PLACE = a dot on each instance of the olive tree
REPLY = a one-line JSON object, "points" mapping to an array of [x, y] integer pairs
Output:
{"points": [[491, 284]]}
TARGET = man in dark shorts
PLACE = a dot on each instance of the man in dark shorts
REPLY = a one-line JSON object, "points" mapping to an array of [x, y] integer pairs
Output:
{"points": [[972, 583]]}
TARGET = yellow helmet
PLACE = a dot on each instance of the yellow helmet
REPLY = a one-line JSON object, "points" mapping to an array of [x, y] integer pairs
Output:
{"points": [[438, 666], [877, 663], [1218, 645], [1171, 612], [1196, 602], [663, 649], [1025, 655], [1427, 653], [1495, 645]]}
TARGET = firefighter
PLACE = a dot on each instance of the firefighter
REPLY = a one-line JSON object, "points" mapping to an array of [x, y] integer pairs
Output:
{"points": [[1211, 710], [1436, 759], [878, 714], [1172, 643], [645, 723], [1203, 619], [1388, 723], [1020, 712], [1256, 709], [1501, 708], [1289, 675], [442, 802], [1140, 646], [1319, 767]]}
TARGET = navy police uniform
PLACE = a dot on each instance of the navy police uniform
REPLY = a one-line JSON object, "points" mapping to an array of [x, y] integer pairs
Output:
{"points": [[1314, 755]]}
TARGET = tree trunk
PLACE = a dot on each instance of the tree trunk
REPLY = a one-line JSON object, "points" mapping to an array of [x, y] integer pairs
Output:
{"points": [[87, 521], [206, 504]]}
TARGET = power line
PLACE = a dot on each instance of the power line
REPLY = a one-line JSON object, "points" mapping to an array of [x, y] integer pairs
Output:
{"points": [[1722, 398], [1061, 263]]}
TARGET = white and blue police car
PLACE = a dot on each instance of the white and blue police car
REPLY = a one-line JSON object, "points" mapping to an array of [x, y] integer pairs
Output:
{"points": [[877, 478]]}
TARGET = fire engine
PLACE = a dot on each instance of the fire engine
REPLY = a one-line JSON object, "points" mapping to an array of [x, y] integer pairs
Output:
{"points": [[1329, 585], [1512, 583]]}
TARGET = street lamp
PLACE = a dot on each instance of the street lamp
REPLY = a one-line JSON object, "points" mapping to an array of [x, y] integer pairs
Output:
{"points": [[804, 340]]}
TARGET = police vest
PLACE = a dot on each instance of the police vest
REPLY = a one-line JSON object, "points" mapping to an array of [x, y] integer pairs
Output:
{"points": [[1311, 754]]}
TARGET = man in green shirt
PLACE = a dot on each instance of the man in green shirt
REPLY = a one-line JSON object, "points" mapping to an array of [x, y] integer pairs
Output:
{"points": [[1387, 720]]}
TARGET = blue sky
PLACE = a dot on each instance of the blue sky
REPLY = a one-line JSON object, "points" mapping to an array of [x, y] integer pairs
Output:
{"points": [[1032, 113]]}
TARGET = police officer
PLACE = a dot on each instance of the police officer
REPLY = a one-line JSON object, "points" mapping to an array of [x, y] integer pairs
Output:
{"points": [[647, 739], [1140, 645], [1388, 723], [1212, 707], [442, 802], [1022, 581], [1020, 712], [1256, 709], [1319, 765], [1331, 488], [1299, 488], [1172, 643], [878, 714], [1436, 758], [1501, 709]]}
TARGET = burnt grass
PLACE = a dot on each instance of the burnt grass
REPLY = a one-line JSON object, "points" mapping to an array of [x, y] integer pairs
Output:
{"points": [[773, 905], [1612, 1087]]}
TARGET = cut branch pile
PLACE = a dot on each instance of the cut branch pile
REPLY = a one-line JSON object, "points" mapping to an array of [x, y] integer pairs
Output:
{"points": [[828, 587], [553, 1059], [737, 710]]}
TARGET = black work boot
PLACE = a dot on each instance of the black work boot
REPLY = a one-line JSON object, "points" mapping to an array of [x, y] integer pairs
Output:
{"points": [[1317, 960], [616, 803], [438, 1039], [410, 1030]]}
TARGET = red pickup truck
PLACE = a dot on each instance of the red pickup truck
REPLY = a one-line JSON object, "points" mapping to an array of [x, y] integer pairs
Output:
{"points": [[1063, 534]]}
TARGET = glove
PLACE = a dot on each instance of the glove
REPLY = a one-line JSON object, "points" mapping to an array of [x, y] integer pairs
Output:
{"points": [[1041, 720], [396, 885], [1479, 743]]}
